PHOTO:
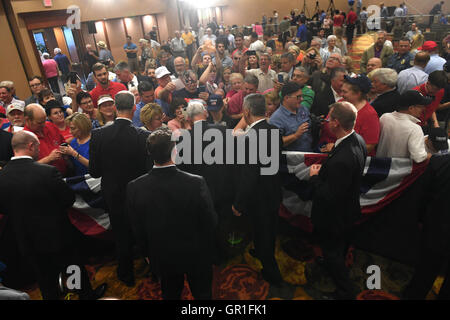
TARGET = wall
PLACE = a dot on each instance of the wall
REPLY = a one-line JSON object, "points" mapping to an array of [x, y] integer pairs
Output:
{"points": [[10, 65], [246, 12]]}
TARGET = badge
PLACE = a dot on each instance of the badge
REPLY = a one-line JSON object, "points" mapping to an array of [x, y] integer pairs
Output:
{"points": [[403, 61]]}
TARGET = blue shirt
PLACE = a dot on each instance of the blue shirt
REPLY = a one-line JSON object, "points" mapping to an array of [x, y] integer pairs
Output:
{"points": [[410, 78], [302, 33], [137, 115], [63, 63], [288, 124], [130, 47], [435, 63], [83, 150]]}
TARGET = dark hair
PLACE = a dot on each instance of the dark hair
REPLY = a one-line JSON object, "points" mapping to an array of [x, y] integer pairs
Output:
{"points": [[160, 145], [254, 35], [36, 77], [145, 86], [97, 67], [175, 104], [82, 95], [345, 115], [251, 79], [438, 78], [239, 35], [404, 39], [124, 101], [129, 37], [421, 58], [44, 93], [356, 89], [52, 104], [256, 103]]}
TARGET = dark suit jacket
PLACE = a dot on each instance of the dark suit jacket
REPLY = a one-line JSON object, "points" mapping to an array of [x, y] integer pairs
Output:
{"points": [[219, 177], [336, 192], [118, 154], [258, 194], [36, 199], [5, 147], [386, 102], [173, 218], [321, 85]]}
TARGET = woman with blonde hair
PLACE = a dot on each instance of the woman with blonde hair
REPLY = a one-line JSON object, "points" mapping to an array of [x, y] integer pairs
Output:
{"points": [[347, 63], [106, 112], [80, 127], [312, 60], [340, 42], [151, 116], [272, 103]]}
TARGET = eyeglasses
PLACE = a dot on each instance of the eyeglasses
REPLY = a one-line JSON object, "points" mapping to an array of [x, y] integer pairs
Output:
{"points": [[35, 85], [297, 97]]}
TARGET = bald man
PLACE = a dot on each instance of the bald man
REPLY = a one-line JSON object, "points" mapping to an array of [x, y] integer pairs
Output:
{"points": [[37, 205], [48, 134], [374, 63]]}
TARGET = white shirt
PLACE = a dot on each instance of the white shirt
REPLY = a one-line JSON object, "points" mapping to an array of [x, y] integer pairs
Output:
{"points": [[255, 123], [342, 139], [213, 39], [401, 137], [336, 96], [162, 167], [265, 79], [399, 12], [123, 119], [258, 45], [21, 157], [410, 78]]}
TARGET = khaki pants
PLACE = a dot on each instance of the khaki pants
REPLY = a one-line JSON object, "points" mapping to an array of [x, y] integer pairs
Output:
{"points": [[133, 64]]}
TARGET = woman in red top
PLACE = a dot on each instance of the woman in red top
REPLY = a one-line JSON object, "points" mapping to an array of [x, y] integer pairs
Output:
{"points": [[354, 90], [55, 113]]}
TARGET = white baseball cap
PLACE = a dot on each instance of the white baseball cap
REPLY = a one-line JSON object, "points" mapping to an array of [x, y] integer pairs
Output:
{"points": [[104, 99], [15, 106], [161, 72]]}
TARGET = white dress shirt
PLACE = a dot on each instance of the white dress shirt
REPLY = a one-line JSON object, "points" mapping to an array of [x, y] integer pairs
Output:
{"points": [[401, 137]]}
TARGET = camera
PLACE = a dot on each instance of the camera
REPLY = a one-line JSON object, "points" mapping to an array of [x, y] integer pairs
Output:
{"points": [[312, 56], [64, 144]]}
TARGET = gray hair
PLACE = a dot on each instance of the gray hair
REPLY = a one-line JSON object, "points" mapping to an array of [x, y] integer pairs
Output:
{"points": [[256, 104], [124, 101], [251, 79], [303, 71], [57, 50], [331, 37], [121, 66], [334, 72], [195, 108], [7, 83], [386, 76]]}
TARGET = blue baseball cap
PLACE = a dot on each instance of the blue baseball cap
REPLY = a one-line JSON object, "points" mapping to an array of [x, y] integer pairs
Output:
{"points": [[361, 81], [215, 102]]}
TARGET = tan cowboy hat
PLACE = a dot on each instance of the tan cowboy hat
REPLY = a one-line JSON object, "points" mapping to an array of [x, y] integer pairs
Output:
{"points": [[101, 44]]}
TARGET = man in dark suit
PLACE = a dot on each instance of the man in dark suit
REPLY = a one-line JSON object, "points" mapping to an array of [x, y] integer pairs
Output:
{"points": [[258, 194], [173, 220], [118, 154], [336, 190], [37, 205], [218, 175], [5, 147]]}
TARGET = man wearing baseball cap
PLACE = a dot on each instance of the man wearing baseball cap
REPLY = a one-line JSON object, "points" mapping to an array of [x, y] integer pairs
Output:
{"points": [[166, 87], [216, 114], [401, 136], [436, 62], [293, 119], [15, 115]]}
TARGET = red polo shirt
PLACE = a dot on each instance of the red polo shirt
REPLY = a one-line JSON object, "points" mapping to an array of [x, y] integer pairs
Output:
{"points": [[338, 20], [351, 17], [112, 90], [367, 125], [49, 141], [432, 106]]}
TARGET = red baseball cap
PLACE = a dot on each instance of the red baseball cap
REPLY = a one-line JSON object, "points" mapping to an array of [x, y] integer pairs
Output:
{"points": [[428, 46]]}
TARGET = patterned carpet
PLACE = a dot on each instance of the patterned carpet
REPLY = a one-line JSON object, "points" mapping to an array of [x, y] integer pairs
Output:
{"points": [[239, 278]]}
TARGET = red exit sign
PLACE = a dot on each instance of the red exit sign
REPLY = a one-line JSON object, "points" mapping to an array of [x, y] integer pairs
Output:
{"points": [[48, 3]]}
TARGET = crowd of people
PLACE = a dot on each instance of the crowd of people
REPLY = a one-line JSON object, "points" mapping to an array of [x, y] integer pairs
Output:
{"points": [[118, 124]]}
